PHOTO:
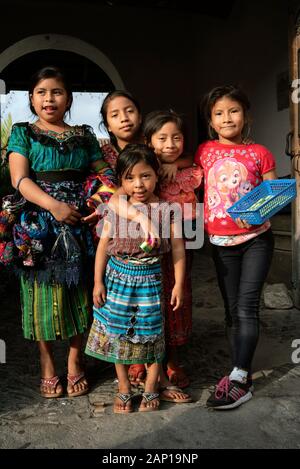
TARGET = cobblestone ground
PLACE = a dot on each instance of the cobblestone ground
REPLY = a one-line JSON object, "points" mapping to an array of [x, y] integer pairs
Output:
{"points": [[206, 359]]}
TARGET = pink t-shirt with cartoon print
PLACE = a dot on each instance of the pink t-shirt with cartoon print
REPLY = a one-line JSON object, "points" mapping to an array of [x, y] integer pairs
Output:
{"points": [[230, 171]]}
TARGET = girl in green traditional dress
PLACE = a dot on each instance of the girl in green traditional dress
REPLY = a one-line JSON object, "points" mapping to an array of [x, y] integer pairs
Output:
{"points": [[48, 162]]}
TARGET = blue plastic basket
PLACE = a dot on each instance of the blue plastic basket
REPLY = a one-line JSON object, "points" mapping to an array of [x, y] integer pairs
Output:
{"points": [[264, 201]]}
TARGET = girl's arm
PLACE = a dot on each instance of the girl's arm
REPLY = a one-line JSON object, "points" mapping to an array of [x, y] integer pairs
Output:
{"points": [[178, 254], [120, 205], [169, 170], [267, 176], [185, 161], [99, 291], [20, 179], [270, 175], [98, 165]]}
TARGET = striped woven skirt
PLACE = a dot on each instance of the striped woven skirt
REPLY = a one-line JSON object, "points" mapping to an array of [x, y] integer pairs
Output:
{"points": [[129, 328], [55, 311]]}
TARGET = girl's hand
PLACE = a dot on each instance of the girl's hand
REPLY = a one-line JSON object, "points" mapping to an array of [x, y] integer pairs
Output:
{"points": [[65, 213], [177, 297], [91, 219], [242, 223], [99, 294], [168, 171], [148, 228]]}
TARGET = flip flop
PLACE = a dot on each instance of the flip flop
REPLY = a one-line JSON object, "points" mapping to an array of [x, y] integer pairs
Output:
{"points": [[175, 400], [124, 397], [51, 383], [74, 379], [148, 397]]}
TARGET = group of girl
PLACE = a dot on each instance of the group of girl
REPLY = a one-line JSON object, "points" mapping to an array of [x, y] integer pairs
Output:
{"points": [[153, 181]]}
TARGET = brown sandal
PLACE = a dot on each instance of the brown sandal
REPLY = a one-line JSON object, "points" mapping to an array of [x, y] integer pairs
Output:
{"points": [[51, 383], [146, 398], [165, 392], [126, 399], [73, 380]]}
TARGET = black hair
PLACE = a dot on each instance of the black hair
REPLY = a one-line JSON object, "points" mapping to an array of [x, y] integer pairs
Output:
{"points": [[133, 154], [155, 120], [45, 73], [103, 111], [226, 91]]}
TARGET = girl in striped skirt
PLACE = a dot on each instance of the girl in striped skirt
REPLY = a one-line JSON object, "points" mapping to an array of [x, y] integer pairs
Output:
{"points": [[128, 324], [48, 163]]}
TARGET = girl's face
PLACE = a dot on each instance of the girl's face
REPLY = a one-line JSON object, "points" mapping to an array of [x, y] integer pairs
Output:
{"points": [[123, 119], [50, 100], [228, 120], [140, 182], [168, 143]]}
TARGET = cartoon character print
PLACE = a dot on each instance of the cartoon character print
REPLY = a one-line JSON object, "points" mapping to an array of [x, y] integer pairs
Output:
{"points": [[244, 188], [214, 202], [226, 176]]}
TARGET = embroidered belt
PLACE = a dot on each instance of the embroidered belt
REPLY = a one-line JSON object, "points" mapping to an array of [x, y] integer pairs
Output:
{"points": [[61, 175]]}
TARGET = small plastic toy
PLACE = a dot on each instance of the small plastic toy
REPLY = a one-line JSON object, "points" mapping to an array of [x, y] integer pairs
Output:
{"points": [[148, 245]]}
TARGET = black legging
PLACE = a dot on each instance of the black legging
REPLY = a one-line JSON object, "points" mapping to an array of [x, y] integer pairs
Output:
{"points": [[241, 272]]}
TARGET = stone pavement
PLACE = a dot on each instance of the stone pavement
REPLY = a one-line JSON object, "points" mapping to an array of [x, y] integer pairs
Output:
{"points": [[270, 420]]}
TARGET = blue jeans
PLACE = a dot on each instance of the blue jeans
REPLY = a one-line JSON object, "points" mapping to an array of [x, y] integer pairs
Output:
{"points": [[241, 272]]}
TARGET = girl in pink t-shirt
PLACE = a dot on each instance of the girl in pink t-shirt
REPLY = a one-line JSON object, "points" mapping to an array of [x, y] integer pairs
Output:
{"points": [[164, 132], [242, 253]]}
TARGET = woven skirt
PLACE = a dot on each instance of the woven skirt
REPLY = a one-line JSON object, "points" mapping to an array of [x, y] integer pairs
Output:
{"points": [[178, 324], [51, 312], [129, 327]]}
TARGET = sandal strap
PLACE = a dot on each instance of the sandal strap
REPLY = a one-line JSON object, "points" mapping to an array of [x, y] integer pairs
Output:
{"points": [[73, 379], [150, 396], [50, 381], [124, 397], [171, 388]]}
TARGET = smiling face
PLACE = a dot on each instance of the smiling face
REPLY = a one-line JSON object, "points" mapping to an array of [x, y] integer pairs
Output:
{"points": [[50, 100], [167, 142], [228, 120], [123, 120], [140, 182]]}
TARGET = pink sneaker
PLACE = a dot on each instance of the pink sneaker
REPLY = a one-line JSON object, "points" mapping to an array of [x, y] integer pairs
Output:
{"points": [[229, 394]]}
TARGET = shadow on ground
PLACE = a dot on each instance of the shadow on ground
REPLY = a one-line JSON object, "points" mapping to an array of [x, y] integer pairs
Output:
{"points": [[28, 420]]}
